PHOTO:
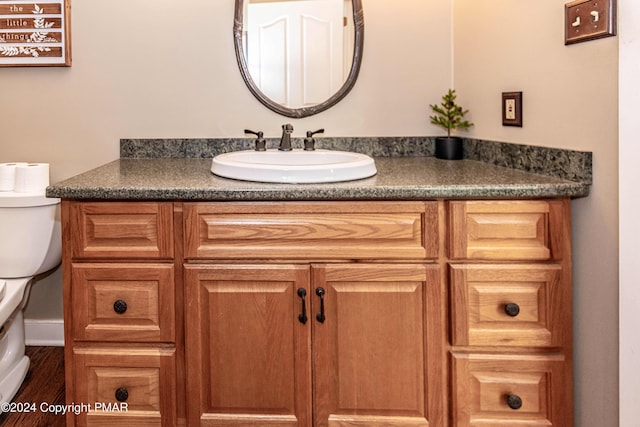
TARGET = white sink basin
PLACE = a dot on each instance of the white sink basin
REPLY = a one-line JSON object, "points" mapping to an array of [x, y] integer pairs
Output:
{"points": [[294, 167]]}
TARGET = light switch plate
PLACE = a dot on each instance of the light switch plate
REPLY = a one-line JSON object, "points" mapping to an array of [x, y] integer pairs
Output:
{"points": [[588, 20]]}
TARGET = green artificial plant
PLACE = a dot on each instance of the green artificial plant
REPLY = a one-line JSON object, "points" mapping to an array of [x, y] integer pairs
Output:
{"points": [[449, 115]]}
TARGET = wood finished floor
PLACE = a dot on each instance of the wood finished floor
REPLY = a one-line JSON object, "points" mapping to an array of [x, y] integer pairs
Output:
{"points": [[44, 383]]}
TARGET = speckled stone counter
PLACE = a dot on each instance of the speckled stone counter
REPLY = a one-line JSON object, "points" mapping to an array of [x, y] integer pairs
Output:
{"points": [[398, 178]]}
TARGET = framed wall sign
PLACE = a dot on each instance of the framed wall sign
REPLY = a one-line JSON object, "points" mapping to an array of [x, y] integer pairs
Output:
{"points": [[35, 33]]}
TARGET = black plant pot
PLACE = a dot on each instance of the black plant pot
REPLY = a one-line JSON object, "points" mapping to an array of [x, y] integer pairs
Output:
{"points": [[449, 148]]}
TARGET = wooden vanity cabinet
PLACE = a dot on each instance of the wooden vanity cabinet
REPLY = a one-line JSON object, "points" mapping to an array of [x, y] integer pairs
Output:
{"points": [[308, 337], [510, 296], [320, 314], [257, 357], [120, 313]]}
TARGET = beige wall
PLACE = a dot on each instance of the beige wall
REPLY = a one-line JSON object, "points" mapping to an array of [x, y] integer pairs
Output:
{"points": [[570, 101], [168, 71]]}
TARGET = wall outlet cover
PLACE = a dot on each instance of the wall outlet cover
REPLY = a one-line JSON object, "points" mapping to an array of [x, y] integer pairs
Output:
{"points": [[512, 109]]}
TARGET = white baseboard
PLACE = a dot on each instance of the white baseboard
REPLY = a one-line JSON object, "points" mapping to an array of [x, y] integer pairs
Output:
{"points": [[44, 332]]}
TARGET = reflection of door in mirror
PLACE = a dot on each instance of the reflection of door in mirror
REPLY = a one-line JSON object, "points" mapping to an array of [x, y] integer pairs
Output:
{"points": [[295, 49]]}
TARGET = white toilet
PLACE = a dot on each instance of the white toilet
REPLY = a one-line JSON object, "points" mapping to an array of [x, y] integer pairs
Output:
{"points": [[30, 244]]}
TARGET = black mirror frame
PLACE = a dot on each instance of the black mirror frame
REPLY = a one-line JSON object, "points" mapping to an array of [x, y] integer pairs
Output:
{"points": [[358, 19]]}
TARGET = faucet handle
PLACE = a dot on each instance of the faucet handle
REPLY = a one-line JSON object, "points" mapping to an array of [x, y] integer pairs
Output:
{"points": [[261, 144], [309, 142], [310, 133]]}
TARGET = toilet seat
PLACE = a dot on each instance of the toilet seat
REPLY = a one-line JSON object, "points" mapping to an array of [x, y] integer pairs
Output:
{"points": [[14, 295], [3, 289]]}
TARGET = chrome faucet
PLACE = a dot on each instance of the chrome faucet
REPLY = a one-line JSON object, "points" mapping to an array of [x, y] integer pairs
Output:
{"points": [[285, 141]]}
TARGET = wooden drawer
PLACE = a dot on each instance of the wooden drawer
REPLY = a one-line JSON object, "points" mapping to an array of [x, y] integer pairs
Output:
{"points": [[134, 386], [507, 230], [123, 302], [508, 305], [364, 230], [122, 230], [507, 390]]}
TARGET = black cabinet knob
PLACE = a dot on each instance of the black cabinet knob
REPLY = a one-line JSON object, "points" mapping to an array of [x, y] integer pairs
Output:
{"points": [[120, 306], [514, 401], [122, 394], [512, 309]]}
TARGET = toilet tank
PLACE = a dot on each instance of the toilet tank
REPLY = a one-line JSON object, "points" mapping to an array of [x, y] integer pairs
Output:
{"points": [[30, 235]]}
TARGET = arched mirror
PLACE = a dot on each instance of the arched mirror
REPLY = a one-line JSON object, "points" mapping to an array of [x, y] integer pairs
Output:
{"points": [[299, 57]]}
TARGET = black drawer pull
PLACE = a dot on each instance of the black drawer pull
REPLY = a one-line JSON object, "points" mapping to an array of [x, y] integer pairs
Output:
{"points": [[302, 317], [512, 309], [320, 316], [122, 394], [120, 306], [514, 402]]}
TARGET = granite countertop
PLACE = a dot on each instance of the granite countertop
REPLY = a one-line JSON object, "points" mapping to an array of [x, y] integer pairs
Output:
{"points": [[398, 178]]}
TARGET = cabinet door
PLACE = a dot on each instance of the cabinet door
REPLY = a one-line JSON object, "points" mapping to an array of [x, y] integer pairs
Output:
{"points": [[371, 363], [247, 352]]}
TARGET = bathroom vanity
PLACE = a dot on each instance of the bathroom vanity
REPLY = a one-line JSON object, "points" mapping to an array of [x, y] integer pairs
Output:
{"points": [[433, 294]]}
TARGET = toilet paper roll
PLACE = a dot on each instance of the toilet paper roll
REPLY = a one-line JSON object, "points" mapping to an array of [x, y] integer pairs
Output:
{"points": [[31, 177], [8, 175]]}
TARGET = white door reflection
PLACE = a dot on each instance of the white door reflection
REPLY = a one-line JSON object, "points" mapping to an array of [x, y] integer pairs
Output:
{"points": [[295, 49]]}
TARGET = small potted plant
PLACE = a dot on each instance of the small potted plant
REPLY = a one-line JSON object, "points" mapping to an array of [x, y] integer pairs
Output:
{"points": [[450, 116]]}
